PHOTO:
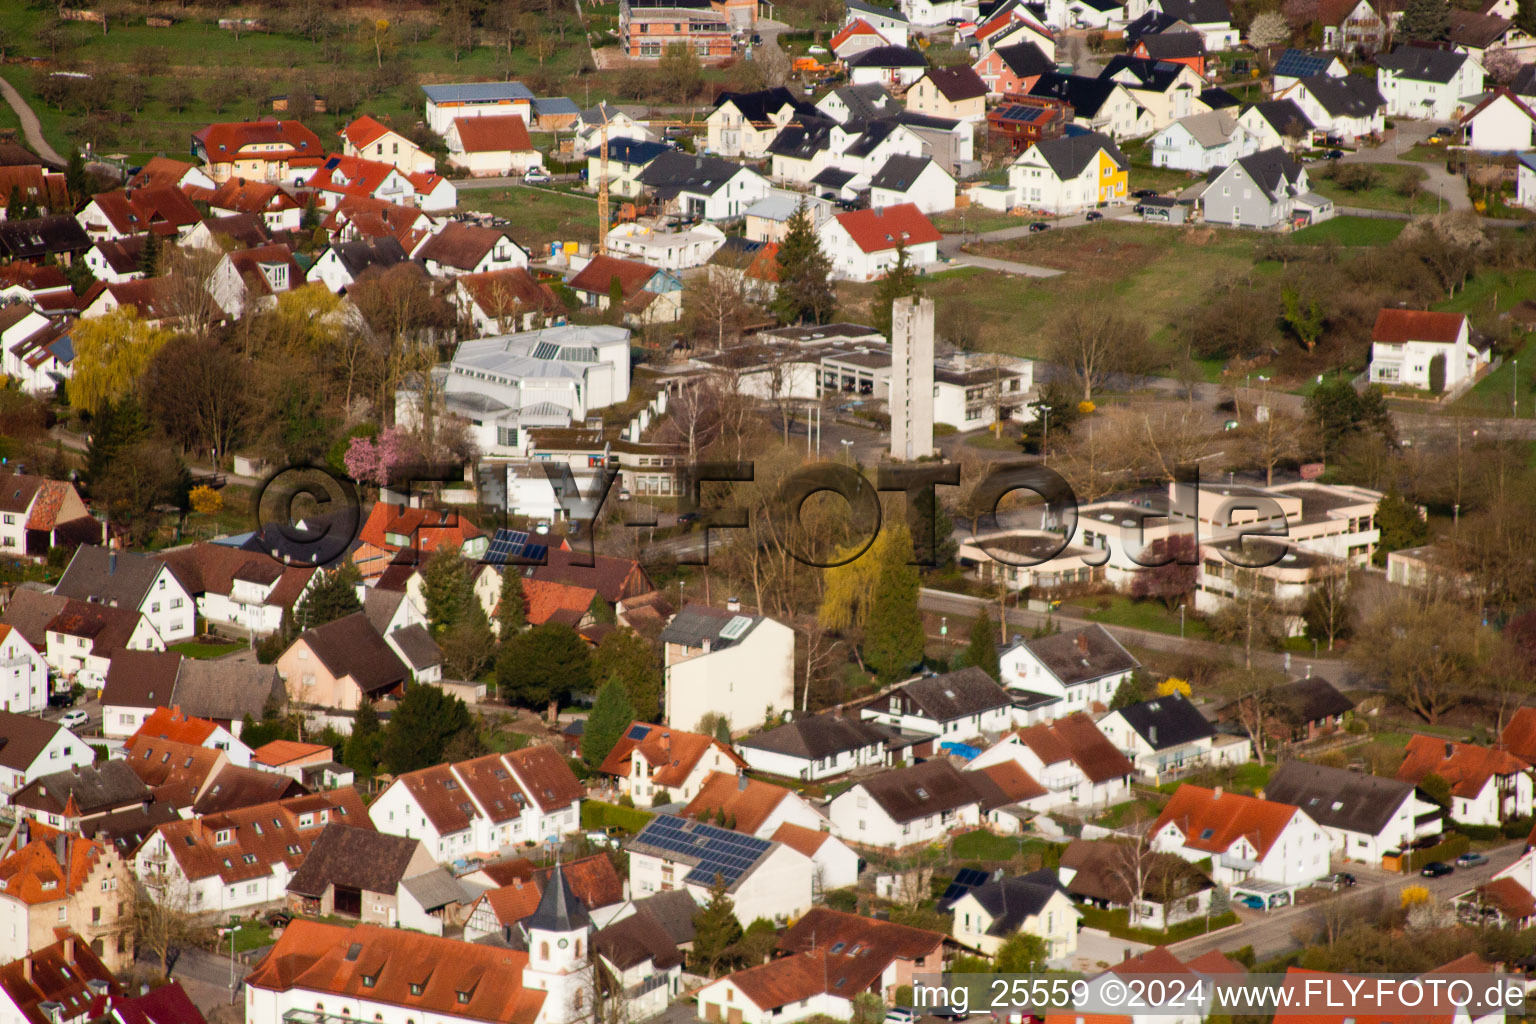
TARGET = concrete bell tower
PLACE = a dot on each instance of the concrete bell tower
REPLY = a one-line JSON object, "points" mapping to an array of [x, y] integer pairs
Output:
{"points": [[911, 400], [559, 953]]}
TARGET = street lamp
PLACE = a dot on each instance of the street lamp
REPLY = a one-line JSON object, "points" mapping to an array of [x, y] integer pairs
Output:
{"points": [[1514, 390], [847, 448], [232, 930]]}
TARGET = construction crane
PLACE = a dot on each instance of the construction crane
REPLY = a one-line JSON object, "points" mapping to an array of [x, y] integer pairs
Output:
{"points": [[602, 186]]}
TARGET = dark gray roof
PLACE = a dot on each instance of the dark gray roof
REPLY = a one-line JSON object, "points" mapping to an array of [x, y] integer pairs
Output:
{"points": [[802, 141], [25, 239], [1311, 700], [23, 738], [1167, 722], [675, 171], [880, 12], [226, 690], [764, 103], [1198, 12], [920, 790], [355, 858], [435, 889], [1153, 74], [868, 101], [674, 911], [1010, 902], [1282, 113], [1086, 95], [1218, 98], [631, 151], [1273, 170], [548, 106], [1070, 154], [367, 253], [1150, 23], [1167, 45], [559, 910], [416, 644], [970, 691], [832, 177], [117, 578], [888, 57], [1337, 798], [600, 113], [1350, 96], [1025, 59], [96, 789], [1081, 655], [637, 939], [817, 736], [1422, 64], [1524, 82], [697, 623], [351, 646], [380, 606]]}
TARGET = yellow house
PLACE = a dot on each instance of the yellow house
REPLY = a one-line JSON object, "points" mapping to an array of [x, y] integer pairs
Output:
{"points": [[1070, 174]]}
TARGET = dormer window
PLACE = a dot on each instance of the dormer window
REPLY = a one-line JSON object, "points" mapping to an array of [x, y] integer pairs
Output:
{"points": [[370, 980], [416, 988], [223, 835], [463, 997]]}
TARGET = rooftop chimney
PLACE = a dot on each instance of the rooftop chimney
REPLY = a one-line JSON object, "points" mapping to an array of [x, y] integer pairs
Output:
{"points": [[1152, 735], [69, 948], [1450, 748], [26, 967], [733, 604], [111, 562], [1082, 642], [741, 781]]}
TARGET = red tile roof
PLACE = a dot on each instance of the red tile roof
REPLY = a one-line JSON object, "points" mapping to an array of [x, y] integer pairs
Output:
{"points": [[1466, 767], [159, 208], [241, 196], [545, 598], [351, 176], [672, 753], [333, 959], [34, 874], [1016, 783], [363, 131], [280, 752], [745, 803], [800, 839], [857, 27], [494, 133], [1395, 326], [598, 275], [593, 880], [1212, 821], [1519, 735], [880, 230], [498, 292], [451, 796], [546, 776], [260, 837], [170, 724], [423, 528], [60, 973], [223, 142], [1077, 739], [790, 979], [162, 170]]}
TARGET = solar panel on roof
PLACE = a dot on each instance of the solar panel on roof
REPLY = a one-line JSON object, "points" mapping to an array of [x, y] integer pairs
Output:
{"points": [[638, 732], [511, 547]]}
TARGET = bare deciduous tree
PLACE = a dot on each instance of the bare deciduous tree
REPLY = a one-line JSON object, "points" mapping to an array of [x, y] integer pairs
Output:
{"points": [[1095, 345]]}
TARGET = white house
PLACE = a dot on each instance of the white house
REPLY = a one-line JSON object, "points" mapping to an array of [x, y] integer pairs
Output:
{"points": [[1350, 108], [461, 248], [656, 761], [483, 806], [31, 747], [1294, 65], [1081, 667], [889, 22], [990, 914], [83, 639], [863, 244], [956, 706], [740, 667], [706, 187], [23, 673], [906, 806], [744, 123], [919, 180], [764, 878], [1364, 815], [1419, 349], [371, 140], [665, 248], [1418, 81], [1244, 837], [894, 67], [1069, 757], [446, 103], [834, 865], [815, 747], [123, 579], [1203, 142], [1489, 786], [1166, 737], [1502, 123], [1070, 174], [626, 159], [1525, 181], [1166, 89], [750, 806], [488, 146]]}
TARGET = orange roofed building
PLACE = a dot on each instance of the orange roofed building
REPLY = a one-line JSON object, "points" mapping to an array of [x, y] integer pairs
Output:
{"points": [[651, 759], [64, 983], [750, 806], [1246, 839], [319, 972], [60, 879], [171, 724], [266, 150], [391, 529], [1488, 785]]}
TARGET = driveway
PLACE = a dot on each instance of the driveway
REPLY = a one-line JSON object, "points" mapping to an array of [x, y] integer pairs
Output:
{"points": [[1451, 188], [1270, 934], [31, 127], [952, 245]]}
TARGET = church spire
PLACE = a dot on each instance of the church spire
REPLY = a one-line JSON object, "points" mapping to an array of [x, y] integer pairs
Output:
{"points": [[559, 909]]}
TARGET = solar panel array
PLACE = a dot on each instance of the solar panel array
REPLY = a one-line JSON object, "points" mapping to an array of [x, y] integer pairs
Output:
{"points": [[638, 732], [966, 880], [1022, 113], [511, 547], [719, 851], [1301, 64]]}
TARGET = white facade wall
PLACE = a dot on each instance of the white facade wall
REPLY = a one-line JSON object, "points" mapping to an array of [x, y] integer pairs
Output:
{"points": [[1297, 856], [23, 675], [1501, 127], [779, 888], [856, 817], [744, 682]]}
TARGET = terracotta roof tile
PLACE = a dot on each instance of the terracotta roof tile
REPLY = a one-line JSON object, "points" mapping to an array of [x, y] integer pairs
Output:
{"points": [[363, 131], [280, 752], [170, 724], [598, 275], [880, 230], [51, 975], [499, 291], [745, 803], [545, 776], [260, 837], [1395, 326], [494, 133], [1466, 767], [35, 874], [545, 597], [223, 141], [802, 840], [672, 753], [1213, 821]]}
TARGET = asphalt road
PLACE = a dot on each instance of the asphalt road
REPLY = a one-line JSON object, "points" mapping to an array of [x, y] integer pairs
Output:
{"points": [[1271, 933]]}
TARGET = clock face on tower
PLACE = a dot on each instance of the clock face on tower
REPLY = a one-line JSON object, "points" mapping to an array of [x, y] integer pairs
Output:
{"points": [[563, 943]]}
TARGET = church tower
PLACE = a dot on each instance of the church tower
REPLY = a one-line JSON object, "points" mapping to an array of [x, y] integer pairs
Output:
{"points": [[559, 953]]}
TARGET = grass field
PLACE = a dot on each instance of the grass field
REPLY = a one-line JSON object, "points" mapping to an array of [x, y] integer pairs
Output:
{"points": [[200, 56], [1350, 231], [541, 216], [976, 220], [1149, 615], [193, 649], [1386, 194]]}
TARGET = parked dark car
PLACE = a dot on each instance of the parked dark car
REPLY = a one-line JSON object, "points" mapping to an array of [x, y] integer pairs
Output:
{"points": [[1445, 131], [1436, 869], [1093, 215], [687, 517], [1144, 193], [1039, 225], [1334, 154], [1341, 880], [65, 699]]}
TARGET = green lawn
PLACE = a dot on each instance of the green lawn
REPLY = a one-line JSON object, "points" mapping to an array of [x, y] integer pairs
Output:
{"points": [[1385, 194], [1144, 809], [1116, 923], [984, 845], [976, 220], [193, 649], [542, 216], [1351, 231], [252, 935], [597, 814], [1148, 615]]}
